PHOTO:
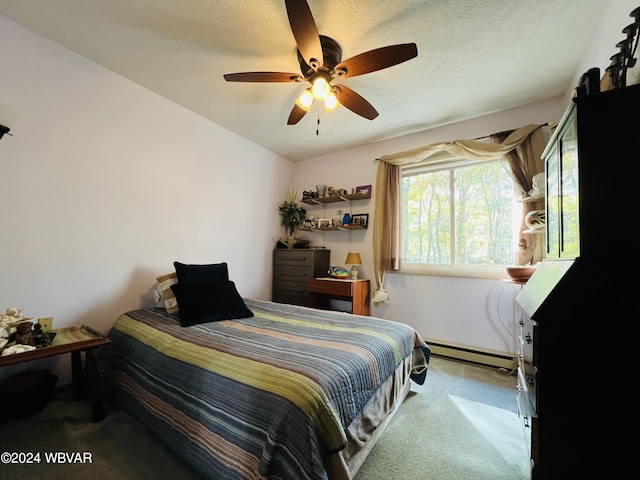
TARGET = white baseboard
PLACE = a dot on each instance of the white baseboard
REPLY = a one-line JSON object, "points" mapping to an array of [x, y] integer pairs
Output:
{"points": [[475, 355]]}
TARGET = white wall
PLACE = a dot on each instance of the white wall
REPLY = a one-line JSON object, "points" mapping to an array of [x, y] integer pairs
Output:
{"points": [[105, 184]]}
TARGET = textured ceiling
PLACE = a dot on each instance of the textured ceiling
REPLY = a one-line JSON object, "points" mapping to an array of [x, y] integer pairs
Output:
{"points": [[474, 57]]}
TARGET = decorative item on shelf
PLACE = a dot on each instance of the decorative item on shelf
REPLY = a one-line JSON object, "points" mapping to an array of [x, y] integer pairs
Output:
{"points": [[363, 190], [324, 222], [537, 185], [346, 220], [337, 219], [353, 259], [322, 190], [589, 83], [535, 219], [360, 220], [338, 272], [292, 214], [308, 194], [625, 59]]}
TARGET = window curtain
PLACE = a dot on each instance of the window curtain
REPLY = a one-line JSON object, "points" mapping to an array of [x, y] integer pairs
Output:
{"points": [[529, 141]]}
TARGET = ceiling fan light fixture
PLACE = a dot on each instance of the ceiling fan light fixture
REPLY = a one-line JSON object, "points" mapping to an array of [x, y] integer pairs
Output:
{"points": [[320, 88], [305, 100], [331, 102], [320, 59]]}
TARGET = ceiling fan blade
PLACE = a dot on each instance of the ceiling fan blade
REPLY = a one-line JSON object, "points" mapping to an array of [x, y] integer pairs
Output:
{"points": [[296, 114], [355, 102], [377, 59], [305, 32], [262, 77]]}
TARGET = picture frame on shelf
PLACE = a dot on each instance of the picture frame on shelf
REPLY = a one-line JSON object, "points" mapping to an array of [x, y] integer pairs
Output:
{"points": [[361, 220], [325, 222], [363, 190]]}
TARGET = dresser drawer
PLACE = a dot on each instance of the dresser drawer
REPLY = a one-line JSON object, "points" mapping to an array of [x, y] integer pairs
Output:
{"points": [[344, 289], [293, 273], [294, 256]]}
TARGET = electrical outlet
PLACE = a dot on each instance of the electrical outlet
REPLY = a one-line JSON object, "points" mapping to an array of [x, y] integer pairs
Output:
{"points": [[46, 323]]}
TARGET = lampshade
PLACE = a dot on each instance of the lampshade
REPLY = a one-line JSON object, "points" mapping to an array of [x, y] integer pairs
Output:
{"points": [[331, 102], [353, 258], [320, 88], [305, 100]]}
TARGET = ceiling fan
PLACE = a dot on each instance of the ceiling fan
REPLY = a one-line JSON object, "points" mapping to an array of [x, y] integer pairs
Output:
{"points": [[320, 59]]}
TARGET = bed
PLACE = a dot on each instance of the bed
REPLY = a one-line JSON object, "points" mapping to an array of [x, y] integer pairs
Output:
{"points": [[287, 393]]}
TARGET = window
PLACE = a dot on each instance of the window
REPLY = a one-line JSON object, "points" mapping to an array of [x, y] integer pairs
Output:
{"points": [[459, 217]]}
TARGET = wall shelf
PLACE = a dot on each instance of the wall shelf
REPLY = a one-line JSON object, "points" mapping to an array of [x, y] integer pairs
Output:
{"points": [[336, 198], [323, 201], [349, 228]]}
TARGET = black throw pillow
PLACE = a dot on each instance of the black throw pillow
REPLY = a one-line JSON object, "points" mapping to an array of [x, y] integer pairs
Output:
{"points": [[202, 302], [201, 273]]}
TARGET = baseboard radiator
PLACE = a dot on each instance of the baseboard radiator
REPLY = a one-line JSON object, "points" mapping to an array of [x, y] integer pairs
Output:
{"points": [[484, 357]]}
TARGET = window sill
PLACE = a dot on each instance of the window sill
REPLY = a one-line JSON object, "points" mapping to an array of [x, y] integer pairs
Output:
{"points": [[469, 271]]}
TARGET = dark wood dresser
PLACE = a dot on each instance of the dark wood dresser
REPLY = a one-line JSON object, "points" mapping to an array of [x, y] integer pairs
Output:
{"points": [[292, 270]]}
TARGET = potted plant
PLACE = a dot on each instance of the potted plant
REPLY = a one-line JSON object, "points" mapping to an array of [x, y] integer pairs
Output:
{"points": [[292, 214]]}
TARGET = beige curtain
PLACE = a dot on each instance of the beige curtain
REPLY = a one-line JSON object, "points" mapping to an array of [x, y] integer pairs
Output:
{"points": [[530, 141]]}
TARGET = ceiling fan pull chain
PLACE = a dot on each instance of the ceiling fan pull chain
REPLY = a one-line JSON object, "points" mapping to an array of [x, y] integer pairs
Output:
{"points": [[318, 126]]}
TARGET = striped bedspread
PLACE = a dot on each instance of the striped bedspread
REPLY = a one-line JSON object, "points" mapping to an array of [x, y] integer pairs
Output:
{"points": [[263, 397]]}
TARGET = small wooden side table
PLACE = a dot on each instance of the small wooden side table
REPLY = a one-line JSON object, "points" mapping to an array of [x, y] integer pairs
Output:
{"points": [[72, 340], [323, 290]]}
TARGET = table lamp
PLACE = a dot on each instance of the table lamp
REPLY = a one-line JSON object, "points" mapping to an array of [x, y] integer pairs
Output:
{"points": [[353, 259]]}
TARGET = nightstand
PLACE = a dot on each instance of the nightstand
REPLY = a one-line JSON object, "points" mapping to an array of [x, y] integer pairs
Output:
{"points": [[323, 290]]}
